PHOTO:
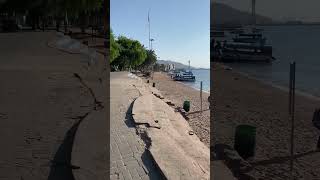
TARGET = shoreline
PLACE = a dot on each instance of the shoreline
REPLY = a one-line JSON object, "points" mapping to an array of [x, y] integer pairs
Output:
{"points": [[274, 85], [178, 92], [241, 99], [198, 89]]}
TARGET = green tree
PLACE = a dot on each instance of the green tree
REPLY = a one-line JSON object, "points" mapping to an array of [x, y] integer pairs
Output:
{"points": [[78, 9], [114, 48], [150, 60], [39, 10], [132, 53]]}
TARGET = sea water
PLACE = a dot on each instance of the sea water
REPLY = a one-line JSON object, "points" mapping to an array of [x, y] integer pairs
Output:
{"points": [[201, 75], [290, 43]]}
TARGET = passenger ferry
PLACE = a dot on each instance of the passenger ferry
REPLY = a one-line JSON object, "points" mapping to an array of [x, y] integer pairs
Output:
{"points": [[256, 38], [244, 47], [184, 75]]}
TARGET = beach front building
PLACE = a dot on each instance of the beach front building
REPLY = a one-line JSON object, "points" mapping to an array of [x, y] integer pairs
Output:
{"points": [[169, 67]]}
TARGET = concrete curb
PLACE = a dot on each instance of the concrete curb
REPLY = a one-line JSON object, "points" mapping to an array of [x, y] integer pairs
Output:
{"points": [[89, 151], [142, 116], [177, 154]]}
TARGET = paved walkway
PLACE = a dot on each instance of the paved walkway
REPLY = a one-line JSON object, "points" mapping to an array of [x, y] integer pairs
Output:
{"points": [[129, 159], [40, 102]]}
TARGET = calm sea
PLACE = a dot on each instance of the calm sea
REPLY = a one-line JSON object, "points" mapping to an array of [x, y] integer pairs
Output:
{"points": [[290, 43], [201, 75]]}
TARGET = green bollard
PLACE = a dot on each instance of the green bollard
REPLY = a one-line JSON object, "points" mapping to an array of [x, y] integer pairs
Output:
{"points": [[245, 141], [186, 106]]}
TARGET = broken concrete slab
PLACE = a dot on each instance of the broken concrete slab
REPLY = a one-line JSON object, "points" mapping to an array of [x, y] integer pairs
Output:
{"points": [[178, 154], [142, 112], [90, 133]]}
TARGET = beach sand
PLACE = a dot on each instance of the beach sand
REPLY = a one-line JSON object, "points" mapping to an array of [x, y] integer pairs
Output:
{"points": [[238, 99], [178, 93]]}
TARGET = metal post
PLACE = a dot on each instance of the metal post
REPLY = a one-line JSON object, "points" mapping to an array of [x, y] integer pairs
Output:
{"points": [[201, 95], [291, 112], [253, 12], [149, 29], [151, 40]]}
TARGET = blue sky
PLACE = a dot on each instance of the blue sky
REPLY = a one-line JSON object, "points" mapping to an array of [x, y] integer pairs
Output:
{"points": [[181, 28]]}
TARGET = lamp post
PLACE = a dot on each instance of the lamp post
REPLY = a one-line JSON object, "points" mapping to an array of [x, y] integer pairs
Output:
{"points": [[151, 42], [151, 49]]}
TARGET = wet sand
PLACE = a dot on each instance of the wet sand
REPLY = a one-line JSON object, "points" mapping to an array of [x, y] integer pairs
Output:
{"points": [[239, 100], [178, 93]]}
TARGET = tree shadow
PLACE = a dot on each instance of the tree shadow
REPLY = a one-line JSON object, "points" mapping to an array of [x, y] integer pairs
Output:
{"points": [[129, 119], [154, 172], [61, 167]]}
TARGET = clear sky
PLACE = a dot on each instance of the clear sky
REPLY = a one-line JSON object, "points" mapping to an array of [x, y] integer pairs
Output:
{"points": [[306, 10], [180, 28]]}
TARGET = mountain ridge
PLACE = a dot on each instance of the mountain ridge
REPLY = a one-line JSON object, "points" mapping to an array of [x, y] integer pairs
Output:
{"points": [[222, 14], [177, 65]]}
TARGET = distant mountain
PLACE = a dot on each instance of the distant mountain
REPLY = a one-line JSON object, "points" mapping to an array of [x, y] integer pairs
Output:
{"points": [[222, 14], [176, 64]]}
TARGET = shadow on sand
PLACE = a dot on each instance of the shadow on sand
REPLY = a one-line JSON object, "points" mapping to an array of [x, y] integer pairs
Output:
{"points": [[277, 160], [195, 112]]}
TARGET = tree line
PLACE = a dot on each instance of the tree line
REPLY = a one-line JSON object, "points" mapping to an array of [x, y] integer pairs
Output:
{"points": [[40, 12], [126, 54]]}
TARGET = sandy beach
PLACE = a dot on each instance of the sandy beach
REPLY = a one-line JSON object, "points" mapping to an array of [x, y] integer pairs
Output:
{"points": [[241, 100], [178, 93]]}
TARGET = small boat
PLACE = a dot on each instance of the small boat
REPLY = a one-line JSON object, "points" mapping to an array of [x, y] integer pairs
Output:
{"points": [[184, 76]]}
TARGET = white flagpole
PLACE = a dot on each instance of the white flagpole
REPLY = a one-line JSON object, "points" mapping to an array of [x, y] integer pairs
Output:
{"points": [[149, 28]]}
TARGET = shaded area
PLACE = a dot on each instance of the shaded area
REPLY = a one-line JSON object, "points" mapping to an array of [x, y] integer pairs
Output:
{"points": [[129, 119], [194, 112], [61, 167], [153, 171], [182, 112], [218, 151], [282, 159]]}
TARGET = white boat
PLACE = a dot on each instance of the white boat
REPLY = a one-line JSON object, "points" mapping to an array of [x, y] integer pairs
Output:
{"points": [[184, 76]]}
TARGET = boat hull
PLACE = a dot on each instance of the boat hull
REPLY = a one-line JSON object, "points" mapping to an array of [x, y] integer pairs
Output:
{"points": [[187, 80], [242, 57], [190, 79]]}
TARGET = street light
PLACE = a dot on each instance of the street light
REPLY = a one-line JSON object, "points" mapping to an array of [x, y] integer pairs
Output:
{"points": [[151, 42]]}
